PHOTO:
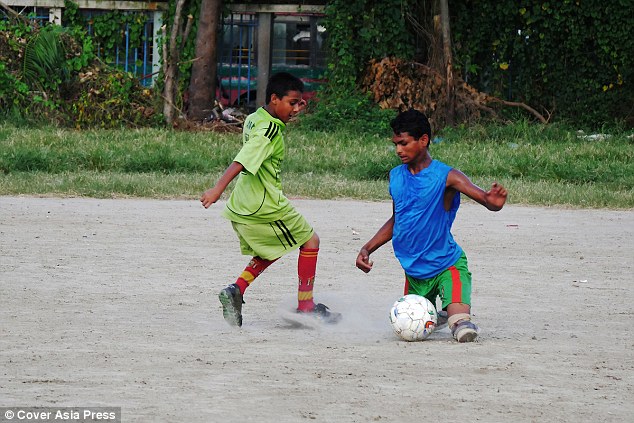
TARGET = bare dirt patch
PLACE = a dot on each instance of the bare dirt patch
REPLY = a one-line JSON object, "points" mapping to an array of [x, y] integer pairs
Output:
{"points": [[113, 303]]}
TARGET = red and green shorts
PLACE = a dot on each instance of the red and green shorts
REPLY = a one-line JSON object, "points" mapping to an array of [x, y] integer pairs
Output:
{"points": [[452, 285]]}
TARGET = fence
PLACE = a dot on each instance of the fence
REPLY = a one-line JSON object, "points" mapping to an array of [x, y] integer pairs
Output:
{"points": [[297, 47], [135, 55], [128, 55]]}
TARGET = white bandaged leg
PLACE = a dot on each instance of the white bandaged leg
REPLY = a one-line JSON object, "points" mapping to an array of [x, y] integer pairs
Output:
{"points": [[462, 328], [455, 318]]}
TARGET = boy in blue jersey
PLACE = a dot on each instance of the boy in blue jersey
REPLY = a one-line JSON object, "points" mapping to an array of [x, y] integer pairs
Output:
{"points": [[425, 198]]}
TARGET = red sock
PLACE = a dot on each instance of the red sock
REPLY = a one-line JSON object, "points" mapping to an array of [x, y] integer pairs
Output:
{"points": [[306, 269], [255, 267]]}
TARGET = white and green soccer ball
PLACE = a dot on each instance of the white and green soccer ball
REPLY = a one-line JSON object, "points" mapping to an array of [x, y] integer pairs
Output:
{"points": [[413, 317]]}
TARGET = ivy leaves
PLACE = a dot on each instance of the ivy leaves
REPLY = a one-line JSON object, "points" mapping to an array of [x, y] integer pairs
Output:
{"points": [[570, 56], [359, 30]]}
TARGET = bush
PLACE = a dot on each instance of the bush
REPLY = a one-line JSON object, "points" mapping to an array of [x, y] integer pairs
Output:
{"points": [[50, 74], [354, 112]]}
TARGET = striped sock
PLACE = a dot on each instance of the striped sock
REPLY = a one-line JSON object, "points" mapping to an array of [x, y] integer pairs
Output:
{"points": [[255, 267], [306, 269]]}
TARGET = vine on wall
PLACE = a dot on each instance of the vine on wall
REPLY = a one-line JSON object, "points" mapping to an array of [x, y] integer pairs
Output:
{"points": [[108, 30], [358, 30], [574, 58]]}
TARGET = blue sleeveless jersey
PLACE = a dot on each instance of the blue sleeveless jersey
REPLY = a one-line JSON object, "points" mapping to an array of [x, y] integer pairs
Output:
{"points": [[422, 238]]}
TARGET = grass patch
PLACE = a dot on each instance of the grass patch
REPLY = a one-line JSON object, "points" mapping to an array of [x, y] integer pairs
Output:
{"points": [[540, 165]]}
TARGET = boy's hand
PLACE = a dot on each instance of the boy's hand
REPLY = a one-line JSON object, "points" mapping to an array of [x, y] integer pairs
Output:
{"points": [[210, 196], [213, 194], [363, 261], [496, 197]]}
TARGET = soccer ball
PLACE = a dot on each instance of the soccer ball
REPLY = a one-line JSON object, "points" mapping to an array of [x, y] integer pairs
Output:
{"points": [[413, 317]]}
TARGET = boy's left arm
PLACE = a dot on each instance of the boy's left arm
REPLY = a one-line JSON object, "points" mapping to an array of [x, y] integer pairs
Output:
{"points": [[493, 199]]}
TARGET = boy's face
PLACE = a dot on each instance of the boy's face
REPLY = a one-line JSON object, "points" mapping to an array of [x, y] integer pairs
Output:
{"points": [[286, 107], [410, 149]]}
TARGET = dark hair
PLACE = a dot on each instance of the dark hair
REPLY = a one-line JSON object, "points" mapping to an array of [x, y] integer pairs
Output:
{"points": [[281, 83], [413, 122]]}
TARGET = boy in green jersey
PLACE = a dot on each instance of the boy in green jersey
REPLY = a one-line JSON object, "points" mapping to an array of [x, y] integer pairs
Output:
{"points": [[266, 223]]}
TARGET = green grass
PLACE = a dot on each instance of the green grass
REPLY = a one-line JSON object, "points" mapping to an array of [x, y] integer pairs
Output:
{"points": [[540, 165]]}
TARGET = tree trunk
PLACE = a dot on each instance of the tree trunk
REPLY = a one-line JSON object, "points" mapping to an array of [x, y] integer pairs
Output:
{"points": [[171, 57], [202, 85], [446, 39], [436, 57]]}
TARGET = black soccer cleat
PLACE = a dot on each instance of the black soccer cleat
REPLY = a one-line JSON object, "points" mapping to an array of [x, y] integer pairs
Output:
{"points": [[322, 313], [231, 300]]}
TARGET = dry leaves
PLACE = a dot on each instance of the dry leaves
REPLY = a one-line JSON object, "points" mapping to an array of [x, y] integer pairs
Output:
{"points": [[401, 85]]}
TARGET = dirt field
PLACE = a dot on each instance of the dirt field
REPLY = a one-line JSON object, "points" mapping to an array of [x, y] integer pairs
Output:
{"points": [[114, 303]]}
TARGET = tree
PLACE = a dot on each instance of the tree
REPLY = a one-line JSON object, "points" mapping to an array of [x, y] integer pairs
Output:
{"points": [[202, 86], [171, 58], [446, 42]]}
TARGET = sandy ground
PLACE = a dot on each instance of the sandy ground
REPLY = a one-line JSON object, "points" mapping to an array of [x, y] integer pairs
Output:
{"points": [[114, 303]]}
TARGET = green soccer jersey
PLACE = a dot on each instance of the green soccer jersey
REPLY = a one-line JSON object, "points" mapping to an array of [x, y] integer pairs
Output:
{"points": [[257, 196]]}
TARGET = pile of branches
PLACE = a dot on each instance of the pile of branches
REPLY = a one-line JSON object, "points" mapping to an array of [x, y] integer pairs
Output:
{"points": [[401, 85]]}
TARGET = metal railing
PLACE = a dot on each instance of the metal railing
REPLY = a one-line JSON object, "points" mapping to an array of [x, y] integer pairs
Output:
{"points": [[237, 64], [137, 59]]}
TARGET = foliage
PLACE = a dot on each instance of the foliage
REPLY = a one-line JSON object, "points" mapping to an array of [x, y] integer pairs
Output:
{"points": [[108, 30], [44, 59], [573, 58], [110, 98], [353, 39], [188, 46], [51, 74], [25, 63], [359, 30], [354, 112], [13, 92]]}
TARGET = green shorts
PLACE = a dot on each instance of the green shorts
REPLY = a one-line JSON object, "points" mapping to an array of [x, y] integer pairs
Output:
{"points": [[272, 240], [453, 285]]}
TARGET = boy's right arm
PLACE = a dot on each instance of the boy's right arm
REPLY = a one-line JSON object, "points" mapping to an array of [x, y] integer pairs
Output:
{"points": [[213, 194], [382, 236]]}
